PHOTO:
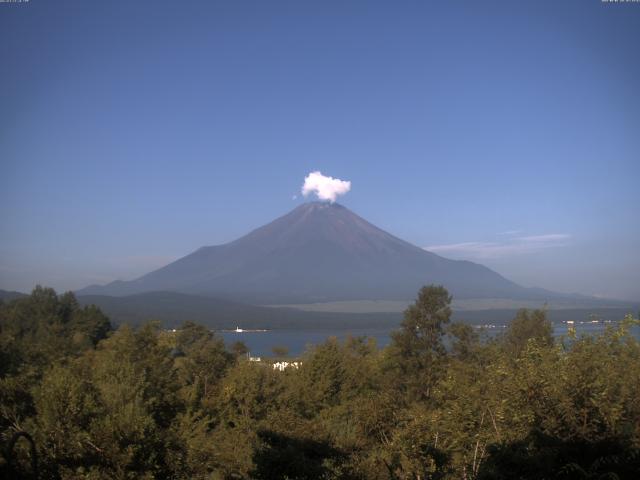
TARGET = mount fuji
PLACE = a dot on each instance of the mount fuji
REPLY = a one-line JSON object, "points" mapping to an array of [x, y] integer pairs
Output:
{"points": [[319, 252]]}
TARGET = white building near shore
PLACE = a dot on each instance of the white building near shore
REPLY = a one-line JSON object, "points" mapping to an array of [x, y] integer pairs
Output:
{"points": [[281, 366]]}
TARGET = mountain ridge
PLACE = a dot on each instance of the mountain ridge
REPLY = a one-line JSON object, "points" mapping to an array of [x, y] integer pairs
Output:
{"points": [[8, 295]]}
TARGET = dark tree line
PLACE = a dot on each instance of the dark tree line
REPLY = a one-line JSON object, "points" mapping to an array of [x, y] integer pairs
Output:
{"points": [[439, 402]]}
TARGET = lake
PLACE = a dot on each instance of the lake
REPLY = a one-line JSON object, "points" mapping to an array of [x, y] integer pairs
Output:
{"points": [[261, 343]]}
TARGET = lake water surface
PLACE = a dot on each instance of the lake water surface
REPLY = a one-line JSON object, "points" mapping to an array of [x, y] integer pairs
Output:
{"points": [[261, 343]]}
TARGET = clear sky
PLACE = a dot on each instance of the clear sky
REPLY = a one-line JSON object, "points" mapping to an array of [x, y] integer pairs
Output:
{"points": [[133, 132]]}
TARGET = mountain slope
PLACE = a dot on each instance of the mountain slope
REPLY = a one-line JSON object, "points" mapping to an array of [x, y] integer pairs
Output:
{"points": [[318, 252]]}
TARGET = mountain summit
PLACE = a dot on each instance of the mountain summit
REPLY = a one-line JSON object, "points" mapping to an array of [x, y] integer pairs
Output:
{"points": [[318, 252]]}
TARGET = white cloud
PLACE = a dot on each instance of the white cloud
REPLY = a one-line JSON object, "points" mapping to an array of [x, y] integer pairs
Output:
{"points": [[325, 188], [551, 237], [514, 246]]}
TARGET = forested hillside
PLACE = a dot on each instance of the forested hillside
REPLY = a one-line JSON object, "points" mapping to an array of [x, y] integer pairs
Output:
{"points": [[146, 403]]}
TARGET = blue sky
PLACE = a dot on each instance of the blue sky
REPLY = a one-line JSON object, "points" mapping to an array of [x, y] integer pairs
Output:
{"points": [[132, 133]]}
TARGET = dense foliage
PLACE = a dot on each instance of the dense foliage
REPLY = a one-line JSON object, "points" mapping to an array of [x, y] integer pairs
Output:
{"points": [[438, 402]]}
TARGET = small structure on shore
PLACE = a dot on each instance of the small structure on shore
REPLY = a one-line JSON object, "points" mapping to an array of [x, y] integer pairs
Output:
{"points": [[281, 366]]}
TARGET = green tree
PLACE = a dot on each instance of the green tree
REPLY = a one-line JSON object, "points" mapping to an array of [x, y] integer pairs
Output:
{"points": [[527, 326], [203, 363], [417, 351], [239, 348], [280, 350], [464, 340]]}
